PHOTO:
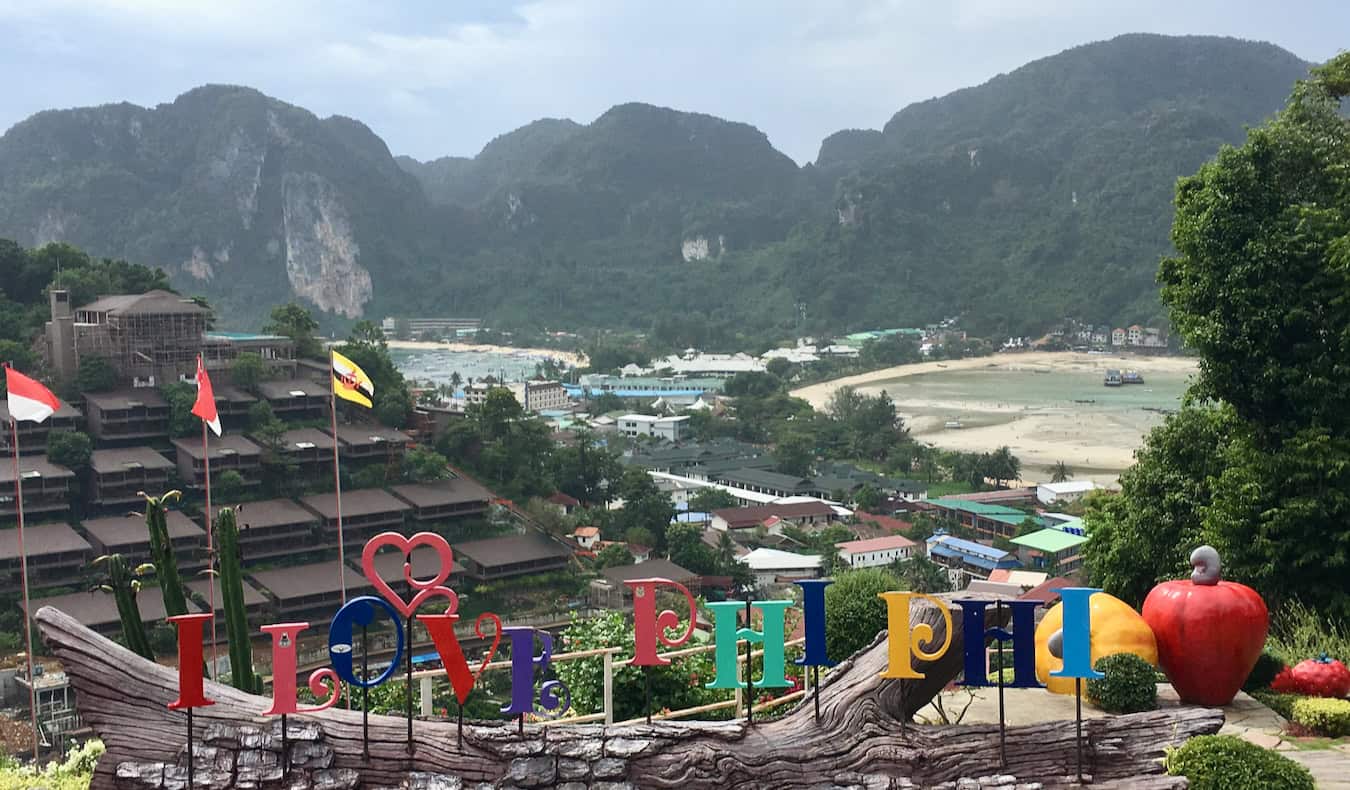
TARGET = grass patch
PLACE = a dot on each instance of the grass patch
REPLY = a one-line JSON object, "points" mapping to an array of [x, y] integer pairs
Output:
{"points": [[1298, 632]]}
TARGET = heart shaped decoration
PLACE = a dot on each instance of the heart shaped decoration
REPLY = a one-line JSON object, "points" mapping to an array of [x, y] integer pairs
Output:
{"points": [[426, 589], [496, 640]]}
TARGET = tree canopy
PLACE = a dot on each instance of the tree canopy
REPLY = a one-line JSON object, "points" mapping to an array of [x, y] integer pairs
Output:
{"points": [[1258, 461]]}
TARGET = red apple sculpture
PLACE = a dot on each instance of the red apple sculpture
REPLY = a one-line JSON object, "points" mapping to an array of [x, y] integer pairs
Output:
{"points": [[1210, 632]]}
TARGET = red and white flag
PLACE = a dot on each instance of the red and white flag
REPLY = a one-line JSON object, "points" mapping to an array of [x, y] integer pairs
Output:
{"points": [[28, 400], [205, 407]]}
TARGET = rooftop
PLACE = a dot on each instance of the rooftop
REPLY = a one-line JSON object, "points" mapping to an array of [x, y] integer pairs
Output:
{"points": [[273, 513], [298, 581], [436, 493], [586, 532], [281, 389], [510, 549], [749, 516], [1069, 487], [305, 439], [876, 544], [31, 467], [124, 399], [775, 560], [66, 411], [221, 446], [121, 459], [228, 393], [39, 539], [650, 569], [202, 587], [766, 479], [158, 301], [361, 502], [369, 434], [98, 608], [130, 530], [425, 564], [1050, 541]]}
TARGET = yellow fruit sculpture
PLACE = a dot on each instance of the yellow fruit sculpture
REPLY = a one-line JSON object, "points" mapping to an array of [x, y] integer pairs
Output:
{"points": [[1116, 628]]}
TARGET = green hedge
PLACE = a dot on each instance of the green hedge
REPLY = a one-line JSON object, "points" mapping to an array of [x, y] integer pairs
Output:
{"points": [[1279, 702], [1267, 667], [1225, 762], [1130, 684], [1329, 717]]}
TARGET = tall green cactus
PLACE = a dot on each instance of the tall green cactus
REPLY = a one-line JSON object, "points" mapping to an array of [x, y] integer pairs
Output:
{"points": [[124, 585], [237, 631], [161, 553]]}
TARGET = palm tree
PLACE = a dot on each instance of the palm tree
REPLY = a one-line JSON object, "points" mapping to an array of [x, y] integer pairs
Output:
{"points": [[455, 381], [1061, 473]]}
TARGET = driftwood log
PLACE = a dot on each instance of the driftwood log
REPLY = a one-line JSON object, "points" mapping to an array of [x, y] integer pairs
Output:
{"points": [[861, 740]]}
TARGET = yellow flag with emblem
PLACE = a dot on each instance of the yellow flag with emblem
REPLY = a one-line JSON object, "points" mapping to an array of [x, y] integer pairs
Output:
{"points": [[350, 382]]}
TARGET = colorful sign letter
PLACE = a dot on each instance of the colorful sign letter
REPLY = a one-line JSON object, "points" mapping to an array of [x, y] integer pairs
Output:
{"points": [[323, 683], [813, 609], [648, 626], [1023, 637], [441, 628], [726, 633], [902, 642], [1077, 634], [190, 691], [360, 611], [523, 666], [430, 588]]}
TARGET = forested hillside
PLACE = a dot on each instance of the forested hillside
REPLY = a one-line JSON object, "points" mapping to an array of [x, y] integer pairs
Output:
{"points": [[1042, 193]]}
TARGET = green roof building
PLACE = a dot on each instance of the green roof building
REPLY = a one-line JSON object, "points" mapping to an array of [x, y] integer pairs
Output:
{"points": [[1050, 549]]}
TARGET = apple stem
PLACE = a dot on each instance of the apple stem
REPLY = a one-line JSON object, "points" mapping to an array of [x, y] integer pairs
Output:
{"points": [[1205, 561]]}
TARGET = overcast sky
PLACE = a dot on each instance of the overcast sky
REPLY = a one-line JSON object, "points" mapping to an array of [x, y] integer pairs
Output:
{"points": [[437, 77]]}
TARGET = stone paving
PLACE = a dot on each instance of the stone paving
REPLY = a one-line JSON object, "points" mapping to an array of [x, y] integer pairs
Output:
{"points": [[1244, 717]]}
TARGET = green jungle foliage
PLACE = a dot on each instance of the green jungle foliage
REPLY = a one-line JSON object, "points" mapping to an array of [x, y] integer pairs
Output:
{"points": [[1226, 762], [1047, 185], [1257, 462]]}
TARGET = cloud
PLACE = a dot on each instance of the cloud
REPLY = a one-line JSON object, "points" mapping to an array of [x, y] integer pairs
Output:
{"points": [[436, 78]]}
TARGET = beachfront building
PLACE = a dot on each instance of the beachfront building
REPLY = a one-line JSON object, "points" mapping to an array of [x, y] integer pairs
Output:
{"points": [[1117, 337], [1051, 550], [1067, 491], [988, 519], [774, 566], [966, 558], [876, 552], [668, 428]]}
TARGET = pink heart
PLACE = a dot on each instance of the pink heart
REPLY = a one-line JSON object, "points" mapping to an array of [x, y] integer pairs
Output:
{"points": [[426, 589]]}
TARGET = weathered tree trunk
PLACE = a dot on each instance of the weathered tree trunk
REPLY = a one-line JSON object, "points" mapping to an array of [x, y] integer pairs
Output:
{"points": [[860, 740]]}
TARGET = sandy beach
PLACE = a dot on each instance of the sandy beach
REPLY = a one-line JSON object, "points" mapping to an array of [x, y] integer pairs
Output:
{"points": [[1094, 437], [573, 359]]}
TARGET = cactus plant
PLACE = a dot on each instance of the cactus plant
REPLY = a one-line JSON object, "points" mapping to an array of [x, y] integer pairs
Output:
{"points": [[161, 553], [124, 583], [242, 676]]}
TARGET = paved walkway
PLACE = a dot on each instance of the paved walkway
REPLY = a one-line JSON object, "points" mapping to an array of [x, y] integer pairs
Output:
{"points": [[1244, 717]]}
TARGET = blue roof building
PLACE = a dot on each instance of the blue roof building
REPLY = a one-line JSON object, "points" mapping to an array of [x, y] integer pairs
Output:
{"points": [[974, 558]]}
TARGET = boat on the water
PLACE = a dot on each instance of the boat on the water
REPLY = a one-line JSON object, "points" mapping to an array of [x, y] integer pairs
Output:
{"points": [[1112, 378], [1131, 377], [953, 424]]}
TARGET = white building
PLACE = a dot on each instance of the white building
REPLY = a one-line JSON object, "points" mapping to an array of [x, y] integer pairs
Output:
{"points": [[1117, 337], [1068, 491], [669, 428], [693, 363], [533, 396], [770, 566], [876, 552]]}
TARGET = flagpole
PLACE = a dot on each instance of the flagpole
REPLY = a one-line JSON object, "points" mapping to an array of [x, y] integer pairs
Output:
{"points": [[337, 479], [210, 552], [27, 613]]}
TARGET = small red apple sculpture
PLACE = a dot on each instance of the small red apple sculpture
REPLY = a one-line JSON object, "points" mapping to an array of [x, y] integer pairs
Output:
{"points": [[1321, 677], [1210, 632]]}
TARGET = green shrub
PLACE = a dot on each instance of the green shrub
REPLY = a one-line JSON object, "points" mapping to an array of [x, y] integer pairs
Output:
{"points": [[1282, 704], [1225, 762], [1129, 685], [1328, 717], [1267, 667]]}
